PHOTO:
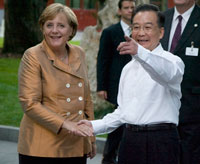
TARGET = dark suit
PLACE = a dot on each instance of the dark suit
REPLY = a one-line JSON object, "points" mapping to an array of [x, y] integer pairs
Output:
{"points": [[109, 67], [189, 124]]}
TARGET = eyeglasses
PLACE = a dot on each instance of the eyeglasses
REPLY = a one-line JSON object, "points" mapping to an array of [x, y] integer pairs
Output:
{"points": [[147, 28]]}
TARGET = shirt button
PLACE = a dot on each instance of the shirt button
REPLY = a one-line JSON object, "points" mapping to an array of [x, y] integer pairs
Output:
{"points": [[68, 113], [80, 112], [80, 98], [68, 99], [67, 85], [80, 85]]}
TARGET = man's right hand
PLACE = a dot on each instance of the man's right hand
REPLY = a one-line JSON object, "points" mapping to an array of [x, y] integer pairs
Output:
{"points": [[102, 94]]}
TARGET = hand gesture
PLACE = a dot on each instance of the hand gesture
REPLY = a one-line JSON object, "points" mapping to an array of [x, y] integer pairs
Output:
{"points": [[102, 94], [128, 47]]}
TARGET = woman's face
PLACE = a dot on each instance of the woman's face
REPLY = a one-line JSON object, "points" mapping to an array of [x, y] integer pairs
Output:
{"points": [[57, 32]]}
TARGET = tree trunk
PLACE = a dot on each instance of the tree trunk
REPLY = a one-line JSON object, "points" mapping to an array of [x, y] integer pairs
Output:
{"points": [[21, 24], [198, 2]]}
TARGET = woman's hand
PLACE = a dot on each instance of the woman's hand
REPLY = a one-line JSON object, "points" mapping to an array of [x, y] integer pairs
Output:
{"points": [[93, 152]]}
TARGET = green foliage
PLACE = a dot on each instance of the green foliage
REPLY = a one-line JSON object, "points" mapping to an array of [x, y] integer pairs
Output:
{"points": [[75, 42], [1, 42], [103, 135], [10, 111], [100, 113]]}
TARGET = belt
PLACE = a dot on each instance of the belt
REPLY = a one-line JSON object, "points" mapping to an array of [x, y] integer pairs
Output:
{"points": [[150, 127]]}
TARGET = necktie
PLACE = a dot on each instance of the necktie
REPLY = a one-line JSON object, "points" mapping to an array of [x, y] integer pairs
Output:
{"points": [[177, 34]]}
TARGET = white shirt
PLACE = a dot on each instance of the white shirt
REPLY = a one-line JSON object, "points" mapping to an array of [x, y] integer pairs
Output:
{"points": [[149, 91], [126, 28], [185, 16]]}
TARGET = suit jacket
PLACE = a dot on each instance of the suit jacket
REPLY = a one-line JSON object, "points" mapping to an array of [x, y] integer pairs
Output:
{"points": [[109, 62], [51, 92], [190, 108]]}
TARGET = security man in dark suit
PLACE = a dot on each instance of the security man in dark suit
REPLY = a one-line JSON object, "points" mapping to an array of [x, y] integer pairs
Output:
{"points": [[109, 67], [187, 49]]}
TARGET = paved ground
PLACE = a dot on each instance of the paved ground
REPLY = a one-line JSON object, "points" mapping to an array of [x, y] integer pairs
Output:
{"points": [[8, 154]]}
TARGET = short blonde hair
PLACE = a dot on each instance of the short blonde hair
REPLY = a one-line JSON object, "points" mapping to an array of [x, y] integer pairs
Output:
{"points": [[52, 10]]}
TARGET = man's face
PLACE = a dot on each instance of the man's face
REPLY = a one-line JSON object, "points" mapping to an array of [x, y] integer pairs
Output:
{"points": [[185, 3], [145, 29], [126, 10]]}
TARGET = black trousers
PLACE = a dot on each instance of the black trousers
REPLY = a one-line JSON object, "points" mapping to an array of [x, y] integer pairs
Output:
{"points": [[149, 147], [24, 159], [190, 143], [112, 146]]}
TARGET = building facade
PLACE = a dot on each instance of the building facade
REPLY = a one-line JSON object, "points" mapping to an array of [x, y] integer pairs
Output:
{"points": [[86, 10]]}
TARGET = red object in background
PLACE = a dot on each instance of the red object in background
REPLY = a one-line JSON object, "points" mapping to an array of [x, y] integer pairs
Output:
{"points": [[85, 18], [170, 3], [1, 4], [50, 2]]}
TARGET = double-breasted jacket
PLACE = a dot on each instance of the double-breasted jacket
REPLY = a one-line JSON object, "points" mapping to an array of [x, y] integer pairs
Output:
{"points": [[51, 92]]}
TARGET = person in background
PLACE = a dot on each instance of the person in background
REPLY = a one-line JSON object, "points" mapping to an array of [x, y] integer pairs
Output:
{"points": [[149, 95], [109, 67], [54, 94], [182, 37]]}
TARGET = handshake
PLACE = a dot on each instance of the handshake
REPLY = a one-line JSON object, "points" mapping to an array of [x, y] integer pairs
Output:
{"points": [[82, 128]]}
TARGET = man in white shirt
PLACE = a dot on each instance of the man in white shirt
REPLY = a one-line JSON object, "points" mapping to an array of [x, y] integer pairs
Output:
{"points": [[149, 95]]}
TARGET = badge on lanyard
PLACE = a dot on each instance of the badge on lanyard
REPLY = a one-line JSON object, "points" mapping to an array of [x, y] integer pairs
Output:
{"points": [[191, 51]]}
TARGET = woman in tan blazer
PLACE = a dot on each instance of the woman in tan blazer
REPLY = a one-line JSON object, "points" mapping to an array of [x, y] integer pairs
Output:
{"points": [[54, 94]]}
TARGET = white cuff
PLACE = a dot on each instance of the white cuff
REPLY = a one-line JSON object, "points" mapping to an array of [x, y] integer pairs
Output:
{"points": [[99, 127]]}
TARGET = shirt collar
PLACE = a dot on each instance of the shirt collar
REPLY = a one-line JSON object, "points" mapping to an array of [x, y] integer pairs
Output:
{"points": [[124, 25], [158, 49], [185, 15]]}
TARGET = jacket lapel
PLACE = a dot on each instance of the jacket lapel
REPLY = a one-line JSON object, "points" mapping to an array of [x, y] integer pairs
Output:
{"points": [[119, 31], [74, 60], [191, 25]]}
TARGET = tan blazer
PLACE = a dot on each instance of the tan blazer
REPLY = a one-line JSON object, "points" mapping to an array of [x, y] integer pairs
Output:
{"points": [[50, 92]]}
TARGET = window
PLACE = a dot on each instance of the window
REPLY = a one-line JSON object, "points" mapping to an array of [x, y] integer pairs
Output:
{"points": [[60, 1], [89, 4], [75, 4]]}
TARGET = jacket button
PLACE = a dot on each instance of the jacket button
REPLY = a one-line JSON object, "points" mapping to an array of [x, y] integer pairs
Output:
{"points": [[68, 99], [80, 84], [80, 98], [67, 85], [68, 113], [80, 112]]}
